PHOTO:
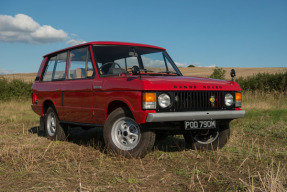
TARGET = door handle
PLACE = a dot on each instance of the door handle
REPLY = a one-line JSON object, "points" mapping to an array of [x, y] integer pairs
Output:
{"points": [[97, 87]]}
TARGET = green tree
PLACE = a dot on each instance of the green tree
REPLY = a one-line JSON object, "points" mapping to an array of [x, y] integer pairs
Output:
{"points": [[218, 73], [191, 66]]}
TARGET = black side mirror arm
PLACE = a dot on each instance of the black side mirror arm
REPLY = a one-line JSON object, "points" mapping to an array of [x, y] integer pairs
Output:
{"points": [[232, 74], [136, 71]]}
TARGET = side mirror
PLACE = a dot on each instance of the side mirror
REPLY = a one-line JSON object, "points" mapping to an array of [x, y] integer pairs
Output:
{"points": [[135, 70], [232, 73]]}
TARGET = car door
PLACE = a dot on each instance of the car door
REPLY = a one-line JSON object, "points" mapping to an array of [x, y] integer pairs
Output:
{"points": [[52, 81], [78, 87]]}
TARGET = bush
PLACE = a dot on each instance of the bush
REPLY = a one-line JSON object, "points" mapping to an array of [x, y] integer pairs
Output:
{"points": [[15, 89], [191, 66], [218, 73], [264, 82]]}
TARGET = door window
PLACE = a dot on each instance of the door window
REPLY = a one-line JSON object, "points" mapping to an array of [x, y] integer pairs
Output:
{"points": [[80, 64]]}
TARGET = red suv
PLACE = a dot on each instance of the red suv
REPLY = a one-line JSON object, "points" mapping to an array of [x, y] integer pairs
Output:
{"points": [[134, 92]]}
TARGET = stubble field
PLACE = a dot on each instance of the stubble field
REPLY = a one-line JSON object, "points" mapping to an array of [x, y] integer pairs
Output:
{"points": [[253, 160]]}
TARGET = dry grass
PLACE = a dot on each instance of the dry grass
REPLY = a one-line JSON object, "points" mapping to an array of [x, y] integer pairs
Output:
{"points": [[186, 71], [264, 101], [253, 160]]}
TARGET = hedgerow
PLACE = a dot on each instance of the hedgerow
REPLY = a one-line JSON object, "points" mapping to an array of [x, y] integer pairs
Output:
{"points": [[15, 89], [264, 82]]}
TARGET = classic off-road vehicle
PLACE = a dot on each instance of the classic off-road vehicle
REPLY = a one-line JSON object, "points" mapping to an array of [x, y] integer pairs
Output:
{"points": [[134, 92]]}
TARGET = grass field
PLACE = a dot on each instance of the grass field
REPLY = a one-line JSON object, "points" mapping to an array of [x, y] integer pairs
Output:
{"points": [[253, 160], [186, 71]]}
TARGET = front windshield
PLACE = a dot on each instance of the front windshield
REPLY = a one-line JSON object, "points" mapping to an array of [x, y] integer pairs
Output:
{"points": [[114, 60]]}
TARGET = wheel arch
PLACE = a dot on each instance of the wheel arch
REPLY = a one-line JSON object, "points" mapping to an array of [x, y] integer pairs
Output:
{"points": [[117, 104], [47, 103]]}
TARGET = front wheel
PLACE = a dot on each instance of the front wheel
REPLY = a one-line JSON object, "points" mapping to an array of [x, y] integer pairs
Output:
{"points": [[124, 136], [210, 139], [53, 128]]}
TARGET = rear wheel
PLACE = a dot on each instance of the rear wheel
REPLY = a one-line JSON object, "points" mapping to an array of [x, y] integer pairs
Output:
{"points": [[124, 136], [53, 129], [210, 139]]}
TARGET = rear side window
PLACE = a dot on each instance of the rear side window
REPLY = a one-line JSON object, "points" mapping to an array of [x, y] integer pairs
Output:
{"points": [[49, 69], [56, 68], [80, 64]]}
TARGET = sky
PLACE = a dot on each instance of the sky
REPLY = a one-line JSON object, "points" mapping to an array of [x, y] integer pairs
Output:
{"points": [[223, 33]]}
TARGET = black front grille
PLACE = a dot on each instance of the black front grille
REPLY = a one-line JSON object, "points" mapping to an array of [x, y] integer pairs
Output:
{"points": [[198, 100]]}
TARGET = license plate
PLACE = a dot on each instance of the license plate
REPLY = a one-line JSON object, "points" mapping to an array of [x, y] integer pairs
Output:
{"points": [[199, 124]]}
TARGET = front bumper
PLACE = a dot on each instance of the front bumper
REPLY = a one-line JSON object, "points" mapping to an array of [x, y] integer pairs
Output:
{"points": [[190, 116]]}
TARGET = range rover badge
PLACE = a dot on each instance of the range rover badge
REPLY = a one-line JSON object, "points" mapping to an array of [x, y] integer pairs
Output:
{"points": [[212, 101]]}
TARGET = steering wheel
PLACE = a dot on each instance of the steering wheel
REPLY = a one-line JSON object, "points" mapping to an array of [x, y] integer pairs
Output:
{"points": [[107, 66]]}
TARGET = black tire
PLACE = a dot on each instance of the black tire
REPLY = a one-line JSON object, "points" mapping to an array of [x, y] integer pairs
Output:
{"points": [[123, 136], [208, 139], [54, 130], [160, 136]]}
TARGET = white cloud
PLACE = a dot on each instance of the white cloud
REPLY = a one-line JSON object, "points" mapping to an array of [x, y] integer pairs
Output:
{"points": [[180, 64], [73, 42], [23, 28], [4, 72], [197, 64], [212, 65]]}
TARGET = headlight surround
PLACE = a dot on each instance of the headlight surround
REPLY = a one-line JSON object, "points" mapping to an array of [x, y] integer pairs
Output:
{"points": [[164, 100], [228, 99]]}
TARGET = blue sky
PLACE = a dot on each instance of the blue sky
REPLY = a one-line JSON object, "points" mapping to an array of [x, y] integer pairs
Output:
{"points": [[225, 33]]}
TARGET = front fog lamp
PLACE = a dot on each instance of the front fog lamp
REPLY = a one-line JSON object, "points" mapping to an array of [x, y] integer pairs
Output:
{"points": [[228, 99], [149, 100], [164, 100]]}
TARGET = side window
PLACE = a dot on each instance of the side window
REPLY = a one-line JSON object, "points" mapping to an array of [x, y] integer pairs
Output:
{"points": [[80, 64], [60, 68], [49, 69], [56, 68]]}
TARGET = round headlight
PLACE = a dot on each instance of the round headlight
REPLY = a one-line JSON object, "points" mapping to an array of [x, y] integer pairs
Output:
{"points": [[228, 99], [164, 100]]}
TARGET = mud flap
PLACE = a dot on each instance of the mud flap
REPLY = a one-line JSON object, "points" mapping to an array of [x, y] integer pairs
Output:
{"points": [[42, 124]]}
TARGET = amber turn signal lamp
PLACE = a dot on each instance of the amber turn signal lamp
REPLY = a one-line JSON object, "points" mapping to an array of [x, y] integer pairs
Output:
{"points": [[149, 100], [149, 97], [238, 99]]}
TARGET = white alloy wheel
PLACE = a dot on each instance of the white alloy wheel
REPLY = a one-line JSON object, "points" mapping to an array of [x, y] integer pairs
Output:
{"points": [[126, 133], [51, 124]]}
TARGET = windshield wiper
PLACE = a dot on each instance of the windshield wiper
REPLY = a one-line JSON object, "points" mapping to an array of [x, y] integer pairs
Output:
{"points": [[146, 70], [169, 72]]}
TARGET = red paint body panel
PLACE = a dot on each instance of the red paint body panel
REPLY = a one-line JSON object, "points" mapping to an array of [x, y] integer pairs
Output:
{"points": [[171, 83], [78, 101], [48, 91], [88, 100]]}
